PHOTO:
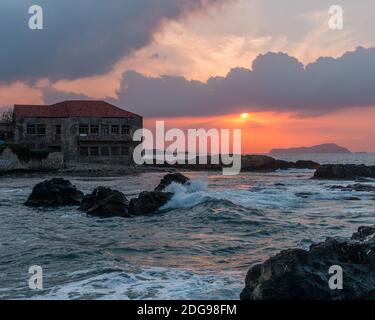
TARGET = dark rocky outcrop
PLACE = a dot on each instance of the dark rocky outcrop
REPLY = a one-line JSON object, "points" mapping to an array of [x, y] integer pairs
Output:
{"points": [[356, 187], [344, 171], [248, 163], [148, 202], [151, 201], [54, 193], [300, 274], [363, 233], [266, 163], [306, 164], [105, 202], [169, 178]]}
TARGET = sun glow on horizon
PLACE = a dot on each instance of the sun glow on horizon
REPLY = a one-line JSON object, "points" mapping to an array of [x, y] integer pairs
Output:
{"points": [[244, 115]]}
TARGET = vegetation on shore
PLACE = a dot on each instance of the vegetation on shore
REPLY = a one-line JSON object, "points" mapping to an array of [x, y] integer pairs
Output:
{"points": [[24, 153]]}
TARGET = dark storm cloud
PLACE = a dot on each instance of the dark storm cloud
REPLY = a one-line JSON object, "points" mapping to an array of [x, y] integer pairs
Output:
{"points": [[80, 37], [276, 82]]}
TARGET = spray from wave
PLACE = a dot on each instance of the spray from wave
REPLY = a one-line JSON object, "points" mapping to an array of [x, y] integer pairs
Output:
{"points": [[187, 196]]}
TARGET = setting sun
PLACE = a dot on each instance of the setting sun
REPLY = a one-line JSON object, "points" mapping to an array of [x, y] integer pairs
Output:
{"points": [[244, 115]]}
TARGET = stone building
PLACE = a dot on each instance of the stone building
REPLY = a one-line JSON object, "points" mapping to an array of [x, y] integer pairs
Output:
{"points": [[83, 131]]}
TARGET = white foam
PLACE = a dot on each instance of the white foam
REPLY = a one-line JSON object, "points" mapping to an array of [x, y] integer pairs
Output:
{"points": [[187, 196], [150, 283], [193, 186]]}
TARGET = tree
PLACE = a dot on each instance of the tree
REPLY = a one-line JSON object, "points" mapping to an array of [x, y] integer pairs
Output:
{"points": [[8, 116]]}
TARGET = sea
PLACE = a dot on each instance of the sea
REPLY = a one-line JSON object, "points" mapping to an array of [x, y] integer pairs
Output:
{"points": [[199, 246]]}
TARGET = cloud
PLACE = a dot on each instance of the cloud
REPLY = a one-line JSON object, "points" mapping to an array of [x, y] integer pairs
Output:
{"points": [[52, 95], [276, 82], [80, 38]]}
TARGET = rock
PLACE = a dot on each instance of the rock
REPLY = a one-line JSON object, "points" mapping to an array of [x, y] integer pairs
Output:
{"points": [[263, 163], [306, 164], [148, 202], [54, 193], [344, 171], [169, 178], [303, 275], [266, 163], [356, 187], [304, 195], [363, 233], [352, 199], [248, 163], [105, 202]]}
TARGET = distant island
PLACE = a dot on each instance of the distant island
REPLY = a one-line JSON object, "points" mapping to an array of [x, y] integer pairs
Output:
{"points": [[322, 148]]}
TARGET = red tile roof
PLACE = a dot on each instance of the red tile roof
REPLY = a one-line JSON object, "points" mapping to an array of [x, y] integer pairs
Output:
{"points": [[72, 108]]}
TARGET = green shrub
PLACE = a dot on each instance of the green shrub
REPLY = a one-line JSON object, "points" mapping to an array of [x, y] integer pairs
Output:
{"points": [[2, 148], [25, 154]]}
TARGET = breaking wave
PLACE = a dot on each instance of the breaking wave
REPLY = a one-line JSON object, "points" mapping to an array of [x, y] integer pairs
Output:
{"points": [[187, 196]]}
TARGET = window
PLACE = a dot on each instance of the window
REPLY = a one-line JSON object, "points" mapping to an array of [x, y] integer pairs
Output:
{"points": [[125, 129], [84, 151], [94, 151], [115, 129], [94, 129], [58, 129], [41, 129], [105, 130], [83, 129], [105, 151], [42, 146], [31, 129], [115, 151]]}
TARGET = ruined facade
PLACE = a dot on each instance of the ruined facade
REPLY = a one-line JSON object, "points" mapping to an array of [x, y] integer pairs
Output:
{"points": [[83, 131]]}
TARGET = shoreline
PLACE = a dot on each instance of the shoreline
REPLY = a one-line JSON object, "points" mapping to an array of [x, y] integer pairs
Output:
{"points": [[84, 171], [249, 163]]}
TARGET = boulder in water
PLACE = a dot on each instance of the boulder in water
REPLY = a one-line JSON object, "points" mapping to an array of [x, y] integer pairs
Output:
{"points": [[306, 164], [303, 275], [148, 202], [344, 171], [105, 202], [266, 163], [169, 178], [53, 193], [356, 187]]}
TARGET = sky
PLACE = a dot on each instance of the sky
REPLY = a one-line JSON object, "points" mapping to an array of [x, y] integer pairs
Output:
{"points": [[201, 63]]}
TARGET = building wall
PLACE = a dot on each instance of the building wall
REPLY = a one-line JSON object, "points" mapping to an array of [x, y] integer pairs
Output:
{"points": [[70, 141]]}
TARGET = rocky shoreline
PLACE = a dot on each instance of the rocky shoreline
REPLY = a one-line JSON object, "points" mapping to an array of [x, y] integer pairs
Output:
{"points": [[293, 274], [102, 202], [297, 274], [249, 163], [344, 172]]}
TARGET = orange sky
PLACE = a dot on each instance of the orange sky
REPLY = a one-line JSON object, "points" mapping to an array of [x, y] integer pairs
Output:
{"points": [[210, 42], [262, 132]]}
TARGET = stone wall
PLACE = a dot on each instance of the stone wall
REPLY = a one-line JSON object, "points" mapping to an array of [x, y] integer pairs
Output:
{"points": [[69, 141], [9, 161]]}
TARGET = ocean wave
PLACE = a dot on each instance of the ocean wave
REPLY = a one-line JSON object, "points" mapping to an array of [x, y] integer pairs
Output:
{"points": [[187, 196], [148, 283]]}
